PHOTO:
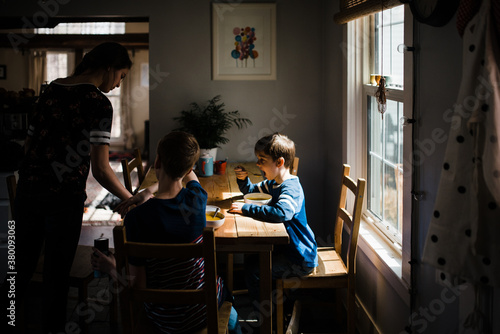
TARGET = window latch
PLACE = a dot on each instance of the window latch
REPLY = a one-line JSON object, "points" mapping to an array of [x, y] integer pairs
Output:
{"points": [[405, 120], [418, 195]]}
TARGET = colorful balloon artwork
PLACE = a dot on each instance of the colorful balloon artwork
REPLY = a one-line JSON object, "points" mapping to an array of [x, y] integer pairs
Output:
{"points": [[244, 45]]}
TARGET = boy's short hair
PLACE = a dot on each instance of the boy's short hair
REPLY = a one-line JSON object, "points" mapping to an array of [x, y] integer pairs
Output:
{"points": [[178, 151], [277, 146]]}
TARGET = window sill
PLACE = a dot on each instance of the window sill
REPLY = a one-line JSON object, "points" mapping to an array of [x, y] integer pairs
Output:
{"points": [[385, 257]]}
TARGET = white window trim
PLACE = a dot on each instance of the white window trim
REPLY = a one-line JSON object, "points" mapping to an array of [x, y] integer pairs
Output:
{"points": [[355, 140]]}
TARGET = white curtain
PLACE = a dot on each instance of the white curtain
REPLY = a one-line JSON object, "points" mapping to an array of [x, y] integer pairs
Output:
{"points": [[464, 234], [37, 69], [127, 126]]}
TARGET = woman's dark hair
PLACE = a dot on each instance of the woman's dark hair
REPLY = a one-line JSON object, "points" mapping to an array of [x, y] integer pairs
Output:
{"points": [[103, 56]]}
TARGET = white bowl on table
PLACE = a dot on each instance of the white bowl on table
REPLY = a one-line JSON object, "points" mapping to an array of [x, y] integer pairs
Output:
{"points": [[216, 221], [257, 198]]}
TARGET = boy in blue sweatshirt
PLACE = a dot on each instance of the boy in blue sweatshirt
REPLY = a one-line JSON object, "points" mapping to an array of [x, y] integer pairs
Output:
{"points": [[275, 155]]}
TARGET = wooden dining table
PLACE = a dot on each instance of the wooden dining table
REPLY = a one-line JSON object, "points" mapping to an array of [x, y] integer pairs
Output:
{"points": [[241, 234]]}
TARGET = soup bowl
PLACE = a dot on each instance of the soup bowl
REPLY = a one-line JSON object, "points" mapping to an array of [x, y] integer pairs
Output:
{"points": [[212, 221], [257, 198]]}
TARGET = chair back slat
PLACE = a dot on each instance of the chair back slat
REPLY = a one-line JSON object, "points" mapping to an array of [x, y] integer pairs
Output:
{"points": [[175, 297], [351, 184], [129, 166], [163, 251], [342, 201], [130, 295], [295, 166], [349, 221]]}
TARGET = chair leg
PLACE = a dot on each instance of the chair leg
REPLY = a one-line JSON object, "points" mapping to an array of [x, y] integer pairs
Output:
{"points": [[279, 307], [351, 311], [230, 272], [293, 326]]}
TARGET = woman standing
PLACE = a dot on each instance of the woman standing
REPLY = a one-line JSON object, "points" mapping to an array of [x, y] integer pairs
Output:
{"points": [[69, 133]]}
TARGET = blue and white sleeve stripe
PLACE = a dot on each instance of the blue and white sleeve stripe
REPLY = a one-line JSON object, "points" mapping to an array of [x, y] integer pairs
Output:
{"points": [[287, 199]]}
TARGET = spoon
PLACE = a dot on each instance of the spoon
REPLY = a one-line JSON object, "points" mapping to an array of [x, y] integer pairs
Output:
{"points": [[216, 211]]}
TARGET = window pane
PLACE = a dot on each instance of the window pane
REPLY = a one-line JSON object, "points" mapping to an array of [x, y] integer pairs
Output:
{"points": [[375, 189], [85, 28], [390, 197], [391, 133], [375, 128], [57, 65], [389, 33], [116, 127], [385, 163]]}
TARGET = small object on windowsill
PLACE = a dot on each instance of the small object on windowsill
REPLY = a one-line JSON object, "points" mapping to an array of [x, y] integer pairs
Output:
{"points": [[381, 98]]}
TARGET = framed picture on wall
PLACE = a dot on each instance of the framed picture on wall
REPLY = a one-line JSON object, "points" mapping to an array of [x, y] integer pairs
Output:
{"points": [[3, 72], [243, 41]]}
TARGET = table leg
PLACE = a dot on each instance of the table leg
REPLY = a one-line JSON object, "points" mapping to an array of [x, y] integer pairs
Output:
{"points": [[266, 300]]}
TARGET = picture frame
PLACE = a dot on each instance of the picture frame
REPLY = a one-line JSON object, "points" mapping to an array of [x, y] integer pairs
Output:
{"points": [[3, 72], [243, 41]]}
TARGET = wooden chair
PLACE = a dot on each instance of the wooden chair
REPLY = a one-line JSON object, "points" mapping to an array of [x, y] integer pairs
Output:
{"points": [[81, 273], [129, 166], [130, 297], [332, 272], [295, 166]]}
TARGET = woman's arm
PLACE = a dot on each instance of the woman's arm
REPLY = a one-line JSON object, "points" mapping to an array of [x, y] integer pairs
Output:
{"points": [[137, 199], [99, 158]]}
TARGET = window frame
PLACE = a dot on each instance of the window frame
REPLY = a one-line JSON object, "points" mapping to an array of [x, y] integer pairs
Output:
{"points": [[355, 149]]}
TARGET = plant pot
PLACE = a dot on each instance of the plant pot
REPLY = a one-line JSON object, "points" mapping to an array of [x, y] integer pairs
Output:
{"points": [[211, 152]]}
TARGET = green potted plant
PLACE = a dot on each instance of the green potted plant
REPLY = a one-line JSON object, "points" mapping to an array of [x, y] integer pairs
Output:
{"points": [[209, 123]]}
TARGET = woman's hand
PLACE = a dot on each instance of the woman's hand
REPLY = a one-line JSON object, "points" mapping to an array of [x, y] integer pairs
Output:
{"points": [[241, 173], [133, 201]]}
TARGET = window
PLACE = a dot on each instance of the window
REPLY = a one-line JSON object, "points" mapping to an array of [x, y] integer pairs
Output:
{"points": [[385, 135], [85, 28], [57, 65], [379, 146]]}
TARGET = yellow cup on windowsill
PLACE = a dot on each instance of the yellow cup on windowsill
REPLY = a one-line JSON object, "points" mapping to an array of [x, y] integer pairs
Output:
{"points": [[375, 79]]}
